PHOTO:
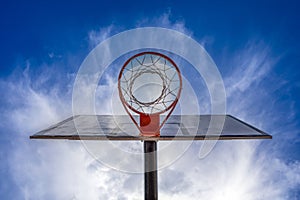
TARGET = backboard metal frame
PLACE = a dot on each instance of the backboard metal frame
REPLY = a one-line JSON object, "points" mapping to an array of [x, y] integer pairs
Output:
{"points": [[256, 134]]}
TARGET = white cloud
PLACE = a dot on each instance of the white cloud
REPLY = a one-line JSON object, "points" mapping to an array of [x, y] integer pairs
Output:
{"points": [[32, 108], [251, 65], [97, 36], [233, 170], [165, 21]]}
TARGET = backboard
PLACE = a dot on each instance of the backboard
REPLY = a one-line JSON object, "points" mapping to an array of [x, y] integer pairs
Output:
{"points": [[177, 127]]}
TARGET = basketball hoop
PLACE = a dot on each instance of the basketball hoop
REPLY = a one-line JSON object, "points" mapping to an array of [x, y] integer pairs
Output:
{"points": [[149, 84]]}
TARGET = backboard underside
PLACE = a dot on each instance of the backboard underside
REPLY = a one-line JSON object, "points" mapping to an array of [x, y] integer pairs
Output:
{"points": [[177, 127]]}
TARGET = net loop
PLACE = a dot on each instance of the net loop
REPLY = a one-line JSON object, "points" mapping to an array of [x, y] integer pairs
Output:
{"points": [[153, 71]]}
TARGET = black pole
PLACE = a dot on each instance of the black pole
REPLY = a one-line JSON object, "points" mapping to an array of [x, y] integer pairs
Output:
{"points": [[150, 168]]}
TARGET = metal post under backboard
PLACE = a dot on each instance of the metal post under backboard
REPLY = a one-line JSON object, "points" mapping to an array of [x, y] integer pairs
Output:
{"points": [[150, 160]]}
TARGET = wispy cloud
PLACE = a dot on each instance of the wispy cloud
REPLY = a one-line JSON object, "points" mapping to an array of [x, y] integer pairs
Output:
{"points": [[251, 65], [233, 170], [97, 36], [165, 20], [30, 105]]}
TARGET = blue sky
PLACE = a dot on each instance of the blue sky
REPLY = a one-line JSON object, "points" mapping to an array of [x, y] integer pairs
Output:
{"points": [[254, 44]]}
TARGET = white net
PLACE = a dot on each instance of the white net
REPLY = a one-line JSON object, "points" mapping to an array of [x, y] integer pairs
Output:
{"points": [[149, 83]]}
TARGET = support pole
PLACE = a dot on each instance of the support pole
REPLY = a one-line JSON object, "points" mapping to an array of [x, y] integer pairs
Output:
{"points": [[150, 168]]}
